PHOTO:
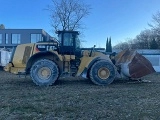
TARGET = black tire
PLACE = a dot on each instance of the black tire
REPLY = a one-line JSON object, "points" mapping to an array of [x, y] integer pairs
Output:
{"points": [[102, 72], [44, 72]]}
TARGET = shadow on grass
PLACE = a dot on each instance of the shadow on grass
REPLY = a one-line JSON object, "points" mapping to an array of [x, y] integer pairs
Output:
{"points": [[14, 80]]}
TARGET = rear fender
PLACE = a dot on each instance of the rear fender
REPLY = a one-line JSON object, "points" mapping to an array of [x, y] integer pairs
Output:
{"points": [[44, 55]]}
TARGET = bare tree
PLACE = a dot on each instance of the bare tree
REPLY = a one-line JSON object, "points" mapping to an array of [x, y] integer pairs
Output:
{"points": [[156, 21], [144, 38], [68, 14], [156, 26], [122, 46], [148, 38]]}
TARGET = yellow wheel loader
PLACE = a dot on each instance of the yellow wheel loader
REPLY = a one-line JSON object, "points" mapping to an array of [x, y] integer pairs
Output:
{"points": [[47, 61]]}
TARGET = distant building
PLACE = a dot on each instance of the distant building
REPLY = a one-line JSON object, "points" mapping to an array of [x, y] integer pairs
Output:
{"points": [[12, 37]]}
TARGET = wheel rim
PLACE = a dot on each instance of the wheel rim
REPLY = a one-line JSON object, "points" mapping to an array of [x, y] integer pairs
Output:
{"points": [[44, 73], [103, 73]]}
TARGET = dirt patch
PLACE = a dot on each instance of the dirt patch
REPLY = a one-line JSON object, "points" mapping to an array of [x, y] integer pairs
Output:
{"points": [[78, 98]]}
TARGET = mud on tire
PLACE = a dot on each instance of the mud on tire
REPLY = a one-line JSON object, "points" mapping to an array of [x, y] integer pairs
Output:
{"points": [[44, 72], [102, 72]]}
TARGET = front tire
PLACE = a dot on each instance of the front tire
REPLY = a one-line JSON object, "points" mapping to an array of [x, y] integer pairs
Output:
{"points": [[44, 72], [102, 72]]}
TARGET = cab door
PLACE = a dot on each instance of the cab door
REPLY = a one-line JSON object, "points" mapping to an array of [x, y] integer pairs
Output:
{"points": [[68, 43]]}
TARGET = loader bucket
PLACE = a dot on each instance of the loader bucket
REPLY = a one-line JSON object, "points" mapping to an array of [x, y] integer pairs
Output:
{"points": [[132, 64]]}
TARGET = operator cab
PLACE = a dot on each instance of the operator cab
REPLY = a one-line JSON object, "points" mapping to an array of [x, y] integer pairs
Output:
{"points": [[69, 42]]}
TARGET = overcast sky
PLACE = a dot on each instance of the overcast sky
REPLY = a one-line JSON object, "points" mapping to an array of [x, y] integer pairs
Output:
{"points": [[118, 19]]}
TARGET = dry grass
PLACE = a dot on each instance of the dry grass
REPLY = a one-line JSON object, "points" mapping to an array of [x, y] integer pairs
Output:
{"points": [[74, 99]]}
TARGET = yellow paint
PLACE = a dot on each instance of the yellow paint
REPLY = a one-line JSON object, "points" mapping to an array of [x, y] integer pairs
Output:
{"points": [[84, 64], [18, 55], [15, 70], [7, 68], [69, 57], [86, 60]]}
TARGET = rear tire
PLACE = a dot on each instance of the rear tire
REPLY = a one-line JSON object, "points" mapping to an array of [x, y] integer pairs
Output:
{"points": [[102, 72], [44, 72]]}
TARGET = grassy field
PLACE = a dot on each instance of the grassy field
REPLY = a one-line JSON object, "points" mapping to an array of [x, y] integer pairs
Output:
{"points": [[79, 99]]}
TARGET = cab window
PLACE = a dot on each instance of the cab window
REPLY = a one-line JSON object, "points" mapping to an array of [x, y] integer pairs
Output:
{"points": [[68, 39]]}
